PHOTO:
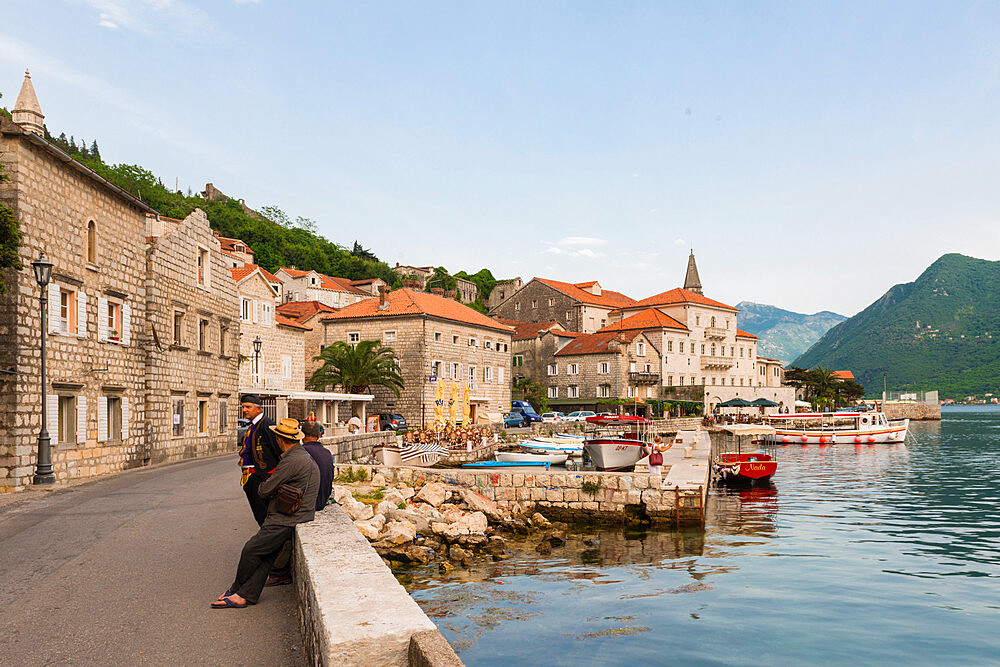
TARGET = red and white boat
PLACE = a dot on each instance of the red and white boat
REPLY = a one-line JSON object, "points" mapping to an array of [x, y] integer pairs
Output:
{"points": [[822, 428], [619, 443], [745, 469]]}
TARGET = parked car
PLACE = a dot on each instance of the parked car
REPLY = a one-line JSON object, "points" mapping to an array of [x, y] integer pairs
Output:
{"points": [[244, 426], [525, 408], [552, 417], [390, 421], [515, 420], [579, 416]]}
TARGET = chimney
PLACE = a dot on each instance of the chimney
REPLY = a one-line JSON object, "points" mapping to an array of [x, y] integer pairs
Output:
{"points": [[383, 301]]}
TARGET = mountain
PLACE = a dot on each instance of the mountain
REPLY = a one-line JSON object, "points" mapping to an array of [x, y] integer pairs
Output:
{"points": [[942, 331], [783, 334]]}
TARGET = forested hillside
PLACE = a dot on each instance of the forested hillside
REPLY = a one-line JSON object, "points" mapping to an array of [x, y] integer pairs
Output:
{"points": [[941, 331], [784, 334]]}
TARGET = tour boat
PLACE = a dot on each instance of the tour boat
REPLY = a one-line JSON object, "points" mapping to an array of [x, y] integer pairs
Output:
{"points": [[745, 469], [620, 446], [820, 428], [554, 459]]}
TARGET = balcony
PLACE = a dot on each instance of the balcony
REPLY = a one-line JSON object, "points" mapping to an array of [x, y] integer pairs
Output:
{"points": [[642, 377], [716, 362], [715, 333]]}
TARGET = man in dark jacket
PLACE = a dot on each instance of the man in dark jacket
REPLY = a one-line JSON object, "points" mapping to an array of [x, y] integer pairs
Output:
{"points": [[296, 468], [321, 455], [259, 454]]}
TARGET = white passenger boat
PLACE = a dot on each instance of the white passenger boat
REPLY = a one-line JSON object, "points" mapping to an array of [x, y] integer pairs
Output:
{"points": [[619, 445], [527, 457], [821, 428]]}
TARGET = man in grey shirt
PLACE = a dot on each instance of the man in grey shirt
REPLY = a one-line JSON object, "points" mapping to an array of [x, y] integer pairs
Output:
{"points": [[296, 468]]}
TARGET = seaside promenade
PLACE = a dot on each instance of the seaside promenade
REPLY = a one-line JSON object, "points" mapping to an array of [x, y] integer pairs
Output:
{"points": [[122, 570]]}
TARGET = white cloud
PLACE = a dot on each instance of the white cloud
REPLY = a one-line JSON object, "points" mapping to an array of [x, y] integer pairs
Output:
{"points": [[161, 19], [680, 242], [582, 241]]}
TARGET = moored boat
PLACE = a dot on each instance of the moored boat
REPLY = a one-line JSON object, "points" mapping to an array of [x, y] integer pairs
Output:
{"points": [[418, 455], [480, 465], [554, 459], [821, 428], [621, 446], [539, 447], [745, 468]]}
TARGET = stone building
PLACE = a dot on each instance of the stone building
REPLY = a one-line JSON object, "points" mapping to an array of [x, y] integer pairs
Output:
{"points": [[308, 313], [503, 289], [435, 340], [417, 276], [193, 332], [583, 307], [299, 285], [370, 285], [532, 346], [237, 252], [94, 234]]}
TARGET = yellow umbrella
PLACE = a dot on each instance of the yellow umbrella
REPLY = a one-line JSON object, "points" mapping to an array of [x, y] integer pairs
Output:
{"points": [[451, 402], [466, 407], [439, 406]]}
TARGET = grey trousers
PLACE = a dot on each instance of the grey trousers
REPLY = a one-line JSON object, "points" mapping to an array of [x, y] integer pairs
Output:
{"points": [[256, 560]]}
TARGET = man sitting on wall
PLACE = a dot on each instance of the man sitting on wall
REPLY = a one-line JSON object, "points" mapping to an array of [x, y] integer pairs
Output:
{"points": [[259, 454], [296, 469]]}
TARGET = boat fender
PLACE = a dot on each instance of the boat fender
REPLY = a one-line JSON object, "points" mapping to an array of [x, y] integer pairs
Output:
{"points": [[805, 438], [871, 438], [822, 439], [857, 439], [785, 438]]}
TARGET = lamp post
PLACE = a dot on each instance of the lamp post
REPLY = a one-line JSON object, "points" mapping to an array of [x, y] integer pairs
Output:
{"points": [[257, 342], [43, 466]]}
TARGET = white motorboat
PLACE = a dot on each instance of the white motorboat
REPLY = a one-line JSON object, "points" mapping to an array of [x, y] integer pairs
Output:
{"points": [[820, 428], [619, 451], [526, 457], [540, 447], [418, 455]]}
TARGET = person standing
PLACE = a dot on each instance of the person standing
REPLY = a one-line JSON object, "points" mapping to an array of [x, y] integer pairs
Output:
{"points": [[656, 456], [296, 469], [259, 454]]}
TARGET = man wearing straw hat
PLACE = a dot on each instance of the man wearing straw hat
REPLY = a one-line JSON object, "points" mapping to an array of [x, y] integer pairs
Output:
{"points": [[297, 469]]}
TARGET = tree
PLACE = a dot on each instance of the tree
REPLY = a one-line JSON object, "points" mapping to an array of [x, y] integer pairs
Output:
{"points": [[534, 393], [10, 239], [356, 368]]}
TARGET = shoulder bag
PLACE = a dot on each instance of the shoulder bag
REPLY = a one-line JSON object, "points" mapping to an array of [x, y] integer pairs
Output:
{"points": [[288, 498]]}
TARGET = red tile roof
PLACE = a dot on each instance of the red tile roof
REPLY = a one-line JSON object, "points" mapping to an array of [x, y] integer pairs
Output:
{"points": [[303, 310], [412, 302], [743, 334], [327, 282], [527, 330], [608, 298], [651, 318], [230, 244], [285, 322], [241, 272], [680, 295], [843, 375], [596, 343]]}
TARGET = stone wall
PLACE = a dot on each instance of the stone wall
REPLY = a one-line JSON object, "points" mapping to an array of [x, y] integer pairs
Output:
{"points": [[915, 411], [519, 306]]}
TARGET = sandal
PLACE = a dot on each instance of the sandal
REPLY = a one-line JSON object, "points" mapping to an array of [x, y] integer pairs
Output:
{"points": [[227, 603]]}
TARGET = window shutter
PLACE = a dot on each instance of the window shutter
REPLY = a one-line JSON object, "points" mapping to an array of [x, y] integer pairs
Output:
{"points": [[102, 418], [81, 314], [125, 418], [102, 319], [81, 419], [54, 308], [52, 416], [126, 324], [256, 316]]}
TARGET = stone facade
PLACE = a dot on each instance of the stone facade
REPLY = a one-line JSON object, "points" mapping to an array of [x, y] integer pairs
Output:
{"points": [[531, 355], [314, 286], [94, 235], [282, 351], [193, 329], [467, 290], [583, 307], [503, 289]]}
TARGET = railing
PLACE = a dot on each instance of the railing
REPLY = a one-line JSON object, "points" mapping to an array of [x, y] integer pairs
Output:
{"points": [[642, 377], [715, 332], [716, 362]]}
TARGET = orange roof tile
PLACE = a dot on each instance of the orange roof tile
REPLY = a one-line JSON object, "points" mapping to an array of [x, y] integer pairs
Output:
{"points": [[527, 330], [651, 318], [327, 282], [412, 302], [241, 272], [294, 273], [285, 322], [843, 375], [597, 343], [680, 295], [608, 298], [303, 310], [743, 334]]}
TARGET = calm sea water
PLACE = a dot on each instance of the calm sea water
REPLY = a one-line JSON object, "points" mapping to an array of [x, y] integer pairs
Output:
{"points": [[858, 555]]}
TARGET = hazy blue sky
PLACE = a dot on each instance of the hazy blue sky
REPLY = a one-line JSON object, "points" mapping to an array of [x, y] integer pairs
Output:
{"points": [[812, 154]]}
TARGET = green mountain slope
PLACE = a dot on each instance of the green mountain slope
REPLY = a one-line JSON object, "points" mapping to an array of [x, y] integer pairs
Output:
{"points": [[942, 331], [784, 334]]}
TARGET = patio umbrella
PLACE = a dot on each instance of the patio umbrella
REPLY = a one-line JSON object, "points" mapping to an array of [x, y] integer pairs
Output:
{"points": [[764, 403], [466, 406], [735, 403], [439, 406], [451, 403]]}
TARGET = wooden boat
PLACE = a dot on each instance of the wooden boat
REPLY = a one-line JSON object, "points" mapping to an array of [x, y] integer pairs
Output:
{"points": [[539, 447], [554, 459], [419, 455], [745, 468], [821, 428], [620, 445], [480, 465]]}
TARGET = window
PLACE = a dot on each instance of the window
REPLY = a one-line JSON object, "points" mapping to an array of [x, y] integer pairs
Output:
{"points": [[68, 312], [455, 370], [223, 333], [631, 392], [436, 369], [553, 369], [499, 374], [648, 368], [741, 352], [66, 426], [713, 322], [388, 336], [114, 321], [473, 342], [92, 242], [111, 421], [553, 392], [697, 320], [670, 346], [517, 360], [265, 313], [573, 369], [437, 336], [631, 367], [472, 376], [517, 305], [534, 303], [640, 349], [223, 416], [246, 310], [488, 374], [178, 417], [203, 264], [488, 344], [703, 348], [604, 391], [286, 367], [552, 301], [178, 327], [353, 336], [603, 368], [454, 340], [567, 316], [573, 391], [713, 349], [680, 347], [670, 380], [202, 417], [203, 335]]}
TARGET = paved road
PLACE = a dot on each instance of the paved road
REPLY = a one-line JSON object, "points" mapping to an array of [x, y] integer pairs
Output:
{"points": [[122, 570]]}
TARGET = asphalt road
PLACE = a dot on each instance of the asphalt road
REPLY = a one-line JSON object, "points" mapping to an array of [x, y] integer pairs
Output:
{"points": [[122, 571]]}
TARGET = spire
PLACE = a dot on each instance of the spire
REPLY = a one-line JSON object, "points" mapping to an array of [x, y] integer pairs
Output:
{"points": [[692, 282], [26, 112]]}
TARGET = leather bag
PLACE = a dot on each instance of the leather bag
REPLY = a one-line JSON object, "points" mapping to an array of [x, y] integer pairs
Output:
{"points": [[288, 499], [656, 459]]}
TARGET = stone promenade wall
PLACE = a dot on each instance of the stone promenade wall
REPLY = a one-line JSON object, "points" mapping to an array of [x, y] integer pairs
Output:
{"points": [[347, 448], [917, 411]]}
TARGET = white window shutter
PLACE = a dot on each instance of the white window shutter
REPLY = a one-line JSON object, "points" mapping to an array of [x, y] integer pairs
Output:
{"points": [[81, 419], [52, 416], [125, 417], [81, 314], [256, 315], [102, 319], [54, 308], [102, 418], [126, 324]]}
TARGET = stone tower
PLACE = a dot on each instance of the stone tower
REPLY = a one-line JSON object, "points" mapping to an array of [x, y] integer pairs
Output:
{"points": [[692, 282], [26, 112]]}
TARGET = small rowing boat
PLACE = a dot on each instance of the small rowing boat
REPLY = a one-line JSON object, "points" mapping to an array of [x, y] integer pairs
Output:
{"points": [[481, 465], [538, 447], [525, 457]]}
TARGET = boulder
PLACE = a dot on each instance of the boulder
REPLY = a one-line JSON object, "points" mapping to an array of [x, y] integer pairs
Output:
{"points": [[445, 567], [368, 530], [433, 494], [473, 540], [496, 544], [393, 496], [399, 532], [419, 521], [378, 521], [591, 542], [556, 538], [357, 511], [452, 514], [341, 492], [417, 554], [469, 524], [458, 554], [405, 491], [378, 480], [539, 521], [384, 507], [544, 548], [478, 503]]}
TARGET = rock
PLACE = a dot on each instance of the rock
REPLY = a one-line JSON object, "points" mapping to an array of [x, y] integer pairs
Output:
{"points": [[473, 540], [406, 491], [357, 511], [368, 530], [539, 521], [341, 492], [496, 544], [419, 521], [478, 503], [378, 521], [556, 538], [452, 514], [417, 554], [384, 507], [378, 480], [399, 532], [433, 494], [544, 548], [591, 542], [469, 524], [457, 553], [393, 496], [445, 567], [518, 526]]}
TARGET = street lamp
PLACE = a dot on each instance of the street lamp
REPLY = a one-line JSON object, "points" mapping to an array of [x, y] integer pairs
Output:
{"points": [[257, 342], [43, 466]]}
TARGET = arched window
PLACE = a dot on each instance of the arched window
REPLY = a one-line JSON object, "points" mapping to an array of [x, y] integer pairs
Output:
{"points": [[92, 242]]}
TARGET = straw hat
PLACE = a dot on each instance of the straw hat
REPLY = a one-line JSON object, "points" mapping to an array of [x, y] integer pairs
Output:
{"points": [[287, 428]]}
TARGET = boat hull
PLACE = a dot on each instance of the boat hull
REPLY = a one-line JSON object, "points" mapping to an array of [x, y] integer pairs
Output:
{"points": [[613, 454], [554, 459], [392, 456], [750, 469], [535, 447], [811, 436]]}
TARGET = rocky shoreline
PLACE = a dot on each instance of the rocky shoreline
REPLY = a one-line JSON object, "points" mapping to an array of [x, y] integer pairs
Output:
{"points": [[437, 522]]}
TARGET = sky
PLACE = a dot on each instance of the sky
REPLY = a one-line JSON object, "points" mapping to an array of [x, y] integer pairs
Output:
{"points": [[812, 154]]}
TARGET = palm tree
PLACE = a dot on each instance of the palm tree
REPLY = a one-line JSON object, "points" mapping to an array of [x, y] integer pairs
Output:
{"points": [[356, 368]]}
